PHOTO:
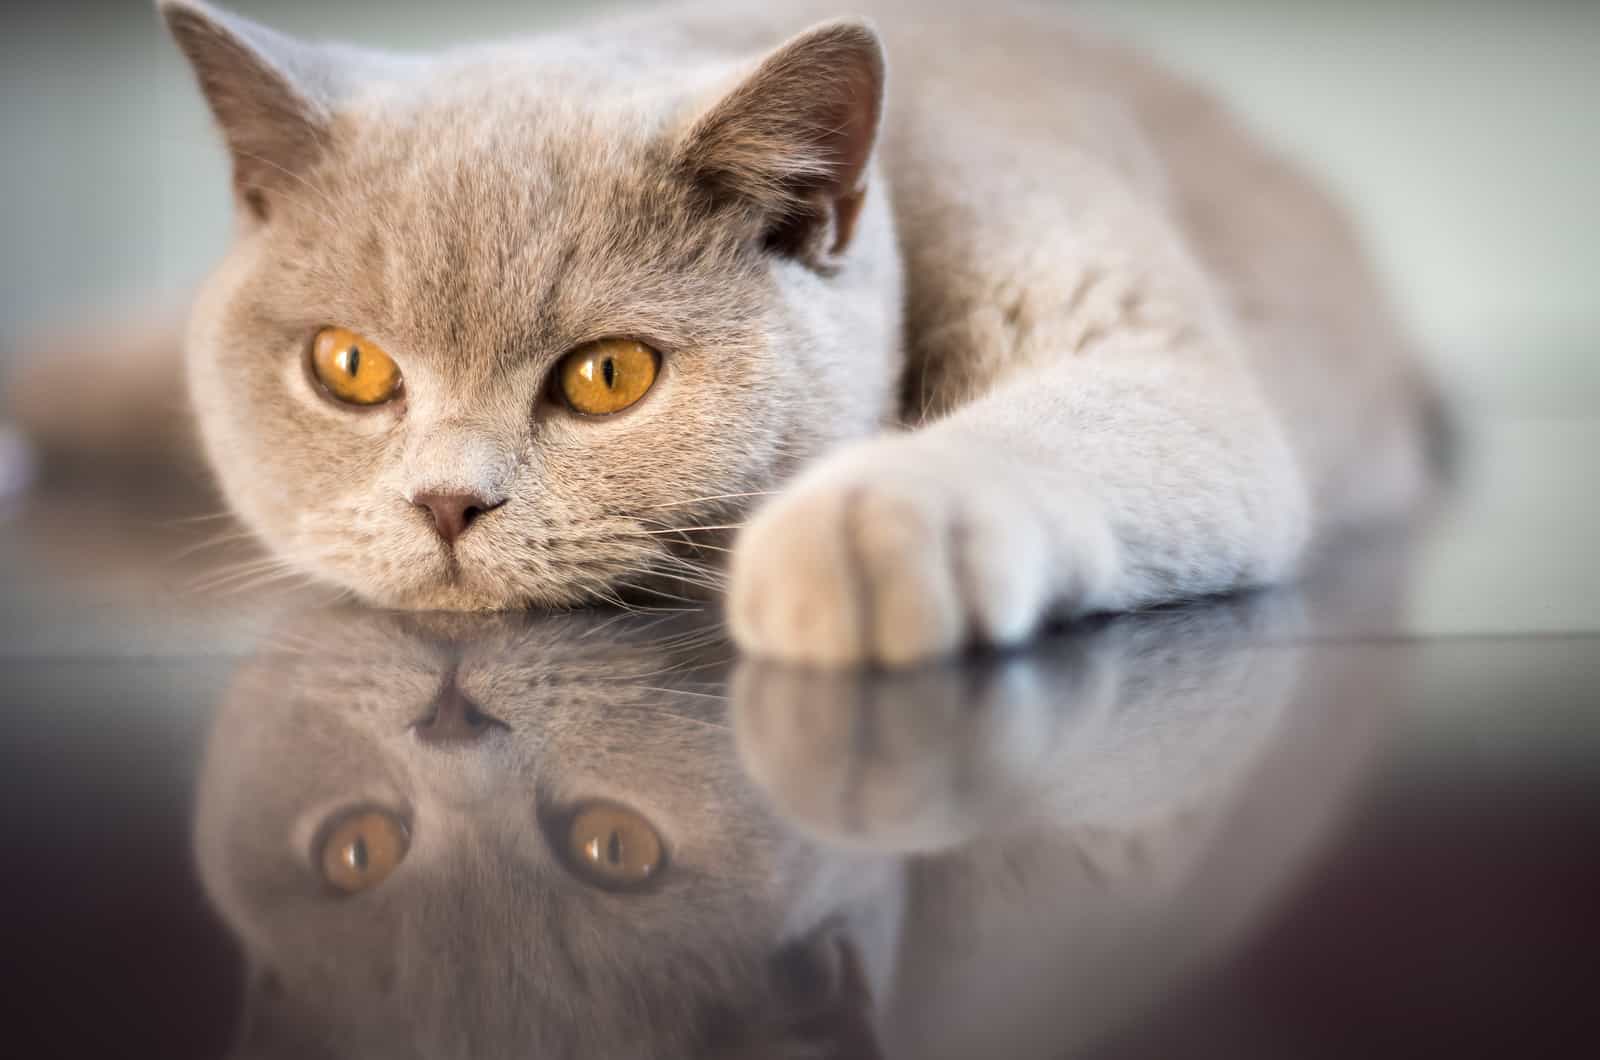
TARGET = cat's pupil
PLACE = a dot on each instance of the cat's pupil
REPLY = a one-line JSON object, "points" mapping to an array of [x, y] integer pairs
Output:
{"points": [[609, 370], [355, 855], [614, 843], [352, 360]]}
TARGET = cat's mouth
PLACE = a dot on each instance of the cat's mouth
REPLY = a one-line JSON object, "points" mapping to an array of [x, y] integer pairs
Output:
{"points": [[551, 569], [462, 583]]}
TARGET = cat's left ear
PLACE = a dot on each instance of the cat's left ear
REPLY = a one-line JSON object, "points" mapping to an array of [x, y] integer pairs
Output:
{"points": [[268, 92], [791, 143]]}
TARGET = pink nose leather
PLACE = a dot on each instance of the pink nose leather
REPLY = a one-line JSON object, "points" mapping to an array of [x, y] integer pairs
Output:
{"points": [[453, 512]]}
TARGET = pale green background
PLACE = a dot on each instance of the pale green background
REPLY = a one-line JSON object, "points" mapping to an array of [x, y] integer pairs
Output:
{"points": [[1465, 135]]}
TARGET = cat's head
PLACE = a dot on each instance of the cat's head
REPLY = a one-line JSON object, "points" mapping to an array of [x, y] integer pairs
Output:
{"points": [[513, 836], [551, 301]]}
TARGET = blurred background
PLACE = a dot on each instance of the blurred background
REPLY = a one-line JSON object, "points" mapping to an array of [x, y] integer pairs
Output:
{"points": [[1463, 134]]}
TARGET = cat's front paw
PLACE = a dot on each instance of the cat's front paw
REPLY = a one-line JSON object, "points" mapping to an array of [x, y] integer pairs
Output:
{"points": [[897, 551]]}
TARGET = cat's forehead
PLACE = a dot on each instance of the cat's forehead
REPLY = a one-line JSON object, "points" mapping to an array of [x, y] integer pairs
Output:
{"points": [[496, 202], [517, 139]]}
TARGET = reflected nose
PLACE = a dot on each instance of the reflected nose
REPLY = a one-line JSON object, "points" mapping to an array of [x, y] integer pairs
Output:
{"points": [[453, 512], [454, 719]]}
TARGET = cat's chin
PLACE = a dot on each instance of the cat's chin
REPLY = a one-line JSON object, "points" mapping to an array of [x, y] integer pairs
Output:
{"points": [[448, 596], [455, 590], [484, 591]]}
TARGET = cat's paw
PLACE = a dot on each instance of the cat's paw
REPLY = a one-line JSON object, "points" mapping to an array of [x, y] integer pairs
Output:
{"points": [[899, 550]]}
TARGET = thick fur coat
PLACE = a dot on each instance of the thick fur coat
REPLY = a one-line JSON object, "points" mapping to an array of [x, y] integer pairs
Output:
{"points": [[966, 321]]}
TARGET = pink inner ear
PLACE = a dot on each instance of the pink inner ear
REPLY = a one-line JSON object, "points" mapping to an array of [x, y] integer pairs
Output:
{"points": [[846, 208], [852, 138]]}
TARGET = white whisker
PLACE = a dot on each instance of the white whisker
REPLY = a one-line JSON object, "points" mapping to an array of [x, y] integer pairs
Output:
{"points": [[711, 497], [211, 542], [693, 529], [684, 692]]}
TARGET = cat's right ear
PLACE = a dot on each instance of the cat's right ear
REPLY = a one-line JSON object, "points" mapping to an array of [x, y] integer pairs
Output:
{"points": [[262, 89]]}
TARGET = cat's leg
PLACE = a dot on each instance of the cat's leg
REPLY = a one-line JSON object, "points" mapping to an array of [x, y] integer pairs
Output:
{"points": [[1148, 470]]}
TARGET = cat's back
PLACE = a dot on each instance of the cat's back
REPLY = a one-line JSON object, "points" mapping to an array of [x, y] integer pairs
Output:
{"points": [[1006, 120], [1005, 86]]}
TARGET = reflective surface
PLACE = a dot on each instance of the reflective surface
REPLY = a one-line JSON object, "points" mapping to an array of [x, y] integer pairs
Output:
{"points": [[1356, 818]]}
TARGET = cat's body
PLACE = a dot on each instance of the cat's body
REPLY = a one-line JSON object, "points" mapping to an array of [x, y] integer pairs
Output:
{"points": [[1140, 358]]}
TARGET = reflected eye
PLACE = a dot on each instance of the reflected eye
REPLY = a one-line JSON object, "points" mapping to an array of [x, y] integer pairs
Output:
{"points": [[359, 850], [352, 369], [612, 846], [606, 376]]}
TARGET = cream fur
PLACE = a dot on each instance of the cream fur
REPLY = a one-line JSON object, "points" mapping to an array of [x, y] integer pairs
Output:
{"points": [[1044, 334]]}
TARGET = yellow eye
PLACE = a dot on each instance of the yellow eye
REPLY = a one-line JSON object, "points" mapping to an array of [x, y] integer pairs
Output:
{"points": [[612, 846], [607, 376], [360, 850], [352, 369]]}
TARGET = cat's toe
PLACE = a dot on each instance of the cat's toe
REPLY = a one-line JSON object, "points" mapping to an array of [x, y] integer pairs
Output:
{"points": [[900, 552], [886, 559], [788, 598], [1001, 560]]}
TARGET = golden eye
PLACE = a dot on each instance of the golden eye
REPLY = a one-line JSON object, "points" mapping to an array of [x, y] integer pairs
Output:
{"points": [[607, 376], [360, 850], [612, 846], [352, 369]]}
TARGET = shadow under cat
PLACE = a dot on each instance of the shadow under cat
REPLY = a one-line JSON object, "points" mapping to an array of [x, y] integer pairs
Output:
{"points": [[587, 836]]}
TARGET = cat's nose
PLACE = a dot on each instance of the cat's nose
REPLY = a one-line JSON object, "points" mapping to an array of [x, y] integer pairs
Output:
{"points": [[453, 719], [453, 512]]}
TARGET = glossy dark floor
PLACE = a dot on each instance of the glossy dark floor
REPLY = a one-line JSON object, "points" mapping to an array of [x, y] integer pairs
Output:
{"points": [[1357, 818]]}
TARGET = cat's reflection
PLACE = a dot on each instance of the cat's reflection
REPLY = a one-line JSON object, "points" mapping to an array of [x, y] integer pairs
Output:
{"points": [[560, 836], [1082, 829], [507, 836]]}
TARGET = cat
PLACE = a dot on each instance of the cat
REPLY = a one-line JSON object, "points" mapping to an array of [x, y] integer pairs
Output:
{"points": [[856, 865], [965, 321]]}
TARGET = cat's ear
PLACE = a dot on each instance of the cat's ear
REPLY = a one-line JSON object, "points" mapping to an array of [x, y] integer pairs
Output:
{"points": [[792, 141], [263, 89]]}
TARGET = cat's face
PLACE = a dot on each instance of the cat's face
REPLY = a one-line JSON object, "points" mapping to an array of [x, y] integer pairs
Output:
{"points": [[558, 852], [475, 219]]}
